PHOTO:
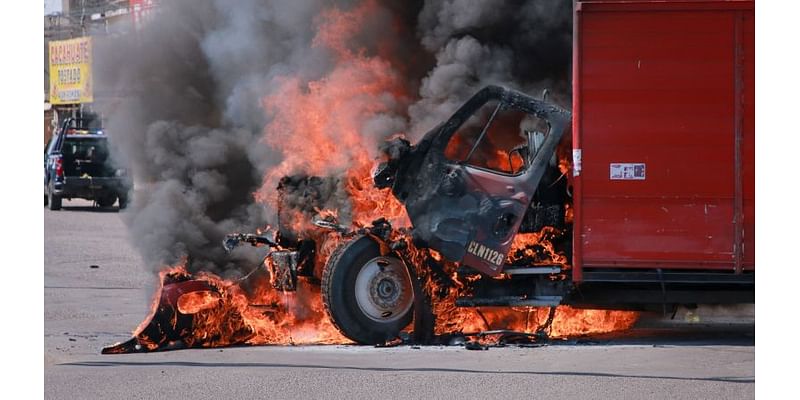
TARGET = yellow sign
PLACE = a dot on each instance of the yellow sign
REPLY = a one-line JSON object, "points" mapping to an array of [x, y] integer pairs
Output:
{"points": [[71, 71]]}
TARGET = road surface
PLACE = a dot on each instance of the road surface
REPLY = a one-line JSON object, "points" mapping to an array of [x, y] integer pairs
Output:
{"points": [[97, 292]]}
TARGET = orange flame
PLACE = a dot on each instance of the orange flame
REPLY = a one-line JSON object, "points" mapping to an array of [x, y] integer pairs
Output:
{"points": [[263, 315], [527, 244], [317, 127], [194, 302]]}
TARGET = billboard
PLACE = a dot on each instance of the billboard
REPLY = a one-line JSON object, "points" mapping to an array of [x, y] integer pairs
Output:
{"points": [[70, 64]]}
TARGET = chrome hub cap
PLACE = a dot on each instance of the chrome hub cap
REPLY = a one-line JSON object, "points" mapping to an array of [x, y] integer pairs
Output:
{"points": [[383, 289]]}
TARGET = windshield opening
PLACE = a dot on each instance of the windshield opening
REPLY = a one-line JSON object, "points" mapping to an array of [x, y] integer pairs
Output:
{"points": [[494, 137]]}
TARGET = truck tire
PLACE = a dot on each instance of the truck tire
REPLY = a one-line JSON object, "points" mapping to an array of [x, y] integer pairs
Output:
{"points": [[54, 201], [45, 200], [106, 201], [368, 296]]}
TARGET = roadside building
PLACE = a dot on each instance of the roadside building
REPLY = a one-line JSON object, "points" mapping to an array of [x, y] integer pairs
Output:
{"points": [[98, 20]]}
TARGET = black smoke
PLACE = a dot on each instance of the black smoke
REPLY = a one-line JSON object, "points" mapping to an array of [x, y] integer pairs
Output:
{"points": [[183, 98]]}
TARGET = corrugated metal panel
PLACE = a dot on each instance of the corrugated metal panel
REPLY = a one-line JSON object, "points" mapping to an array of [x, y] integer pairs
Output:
{"points": [[655, 85]]}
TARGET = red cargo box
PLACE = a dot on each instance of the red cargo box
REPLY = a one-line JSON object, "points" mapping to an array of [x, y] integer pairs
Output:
{"points": [[664, 135]]}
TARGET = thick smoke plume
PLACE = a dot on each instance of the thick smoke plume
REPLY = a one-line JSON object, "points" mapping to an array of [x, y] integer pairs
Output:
{"points": [[523, 45], [202, 114]]}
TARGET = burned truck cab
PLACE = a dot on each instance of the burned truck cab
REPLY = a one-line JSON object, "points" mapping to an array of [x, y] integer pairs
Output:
{"points": [[468, 184], [468, 187]]}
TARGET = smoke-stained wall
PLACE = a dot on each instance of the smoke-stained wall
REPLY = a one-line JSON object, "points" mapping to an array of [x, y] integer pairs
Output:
{"points": [[192, 119]]}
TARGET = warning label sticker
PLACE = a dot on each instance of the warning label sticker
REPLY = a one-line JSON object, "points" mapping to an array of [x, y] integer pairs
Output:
{"points": [[627, 171]]}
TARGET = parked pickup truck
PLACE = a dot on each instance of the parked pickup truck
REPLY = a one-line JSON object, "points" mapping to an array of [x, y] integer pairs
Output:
{"points": [[77, 165]]}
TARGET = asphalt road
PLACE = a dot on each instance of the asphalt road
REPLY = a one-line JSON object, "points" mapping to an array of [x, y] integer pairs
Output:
{"points": [[87, 308]]}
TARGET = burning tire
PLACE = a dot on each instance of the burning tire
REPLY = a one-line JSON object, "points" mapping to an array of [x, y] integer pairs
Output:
{"points": [[368, 296]]}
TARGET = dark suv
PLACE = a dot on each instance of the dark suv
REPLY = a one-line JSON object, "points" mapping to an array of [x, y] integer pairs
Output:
{"points": [[77, 165]]}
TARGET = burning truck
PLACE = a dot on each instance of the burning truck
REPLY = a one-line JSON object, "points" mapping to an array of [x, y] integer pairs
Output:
{"points": [[518, 211]]}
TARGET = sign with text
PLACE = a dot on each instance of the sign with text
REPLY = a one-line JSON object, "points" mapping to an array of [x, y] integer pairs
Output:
{"points": [[71, 71]]}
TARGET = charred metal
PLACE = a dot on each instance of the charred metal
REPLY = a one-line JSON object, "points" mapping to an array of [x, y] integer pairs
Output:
{"points": [[451, 204], [168, 328]]}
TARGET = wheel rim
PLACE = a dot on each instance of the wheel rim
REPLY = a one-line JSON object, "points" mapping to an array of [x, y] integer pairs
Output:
{"points": [[383, 289]]}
